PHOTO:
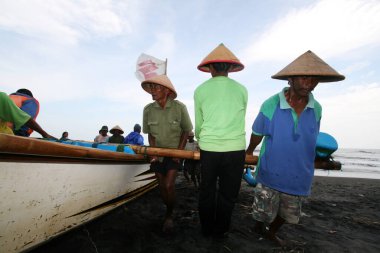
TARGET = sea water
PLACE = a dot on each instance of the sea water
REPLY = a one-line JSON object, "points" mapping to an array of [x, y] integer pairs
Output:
{"points": [[356, 163]]}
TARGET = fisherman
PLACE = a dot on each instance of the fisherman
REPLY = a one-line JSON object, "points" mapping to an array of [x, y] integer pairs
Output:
{"points": [[9, 112], [220, 107], [288, 123], [135, 138], [116, 137], [24, 99], [103, 136], [167, 123]]}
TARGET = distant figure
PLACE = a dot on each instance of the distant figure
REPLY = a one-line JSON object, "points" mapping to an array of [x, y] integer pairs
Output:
{"points": [[9, 112], [135, 138], [288, 123], [102, 137], [116, 137], [24, 99], [65, 136], [191, 166]]}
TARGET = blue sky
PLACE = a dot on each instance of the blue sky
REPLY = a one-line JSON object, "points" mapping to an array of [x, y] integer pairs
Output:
{"points": [[78, 57]]}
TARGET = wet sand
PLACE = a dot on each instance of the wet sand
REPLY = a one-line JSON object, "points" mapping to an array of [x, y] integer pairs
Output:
{"points": [[341, 215]]}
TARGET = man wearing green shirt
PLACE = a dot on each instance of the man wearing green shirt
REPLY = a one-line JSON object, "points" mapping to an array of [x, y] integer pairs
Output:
{"points": [[167, 123], [220, 107]]}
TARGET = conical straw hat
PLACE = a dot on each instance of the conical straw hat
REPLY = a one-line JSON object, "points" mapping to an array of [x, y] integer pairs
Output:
{"points": [[221, 54], [116, 128], [309, 64], [160, 80]]}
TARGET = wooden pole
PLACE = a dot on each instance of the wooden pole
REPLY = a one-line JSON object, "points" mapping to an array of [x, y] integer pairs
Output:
{"points": [[24, 145], [195, 155], [166, 66], [177, 153]]}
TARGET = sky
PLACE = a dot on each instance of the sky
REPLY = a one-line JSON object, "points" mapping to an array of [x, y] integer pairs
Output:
{"points": [[78, 57]]}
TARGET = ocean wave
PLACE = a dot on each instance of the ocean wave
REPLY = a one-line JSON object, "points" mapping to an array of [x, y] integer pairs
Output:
{"points": [[361, 163]]}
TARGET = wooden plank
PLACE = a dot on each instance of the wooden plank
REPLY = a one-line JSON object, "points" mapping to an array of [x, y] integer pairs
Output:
{"points": [[24, 145]]}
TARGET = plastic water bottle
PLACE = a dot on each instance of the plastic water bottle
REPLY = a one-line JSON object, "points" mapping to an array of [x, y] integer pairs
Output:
{"points": [[247, 176]]}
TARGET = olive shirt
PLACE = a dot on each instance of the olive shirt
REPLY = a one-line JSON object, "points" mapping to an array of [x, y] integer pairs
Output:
{"points": [[166, 124], [220, 107], [9, 112]]}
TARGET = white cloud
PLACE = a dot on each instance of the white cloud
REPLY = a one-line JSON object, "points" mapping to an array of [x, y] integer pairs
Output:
{"points": [[68, 21], [352, 116], [355, 67], [164, 45], [329, 28]]}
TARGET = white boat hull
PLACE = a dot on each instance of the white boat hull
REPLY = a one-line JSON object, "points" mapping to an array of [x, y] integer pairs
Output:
{"points": [[42, 197], [42, 200]]}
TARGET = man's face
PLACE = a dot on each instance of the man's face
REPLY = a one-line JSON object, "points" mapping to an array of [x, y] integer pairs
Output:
{"points": [[116, 132], [103, 132], [303, 85], [159, 92]]}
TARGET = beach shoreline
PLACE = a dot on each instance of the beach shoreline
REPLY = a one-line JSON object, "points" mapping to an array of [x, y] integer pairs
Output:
{"points": [[341, 215]]}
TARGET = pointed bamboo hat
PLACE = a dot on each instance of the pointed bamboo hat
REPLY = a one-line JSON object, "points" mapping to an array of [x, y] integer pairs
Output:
{"points": [[160, 80], [309, 64], [221, 54], [112, 131]]}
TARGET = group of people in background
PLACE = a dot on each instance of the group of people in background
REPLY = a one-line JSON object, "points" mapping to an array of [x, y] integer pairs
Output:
{"points": [[133, 138], [287, 126]]}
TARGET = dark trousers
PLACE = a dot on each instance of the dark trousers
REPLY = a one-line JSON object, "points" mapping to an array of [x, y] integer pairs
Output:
{"points": [[216, 203]]}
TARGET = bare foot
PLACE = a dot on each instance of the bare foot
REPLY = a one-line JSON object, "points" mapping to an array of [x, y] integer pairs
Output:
{"points": [[260, 228], [280, 242], [168, 226]]}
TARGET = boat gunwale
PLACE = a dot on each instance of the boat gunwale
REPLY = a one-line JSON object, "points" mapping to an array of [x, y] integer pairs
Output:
{"points": [[38, 158]]}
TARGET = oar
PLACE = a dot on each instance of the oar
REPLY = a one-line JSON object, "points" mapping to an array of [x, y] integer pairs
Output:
{"points": [[177, 153]]}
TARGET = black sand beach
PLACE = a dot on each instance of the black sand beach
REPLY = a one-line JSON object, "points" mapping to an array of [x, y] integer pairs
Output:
{"points": [[341, 215]]}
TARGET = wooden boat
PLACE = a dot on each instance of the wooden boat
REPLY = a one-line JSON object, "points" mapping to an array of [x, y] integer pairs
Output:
{"points": [[48, 188]]}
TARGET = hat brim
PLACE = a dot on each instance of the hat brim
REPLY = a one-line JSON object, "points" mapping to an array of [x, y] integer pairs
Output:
{"points": [[236, 66], [321, 79], [113, 131], [162, 80]]}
